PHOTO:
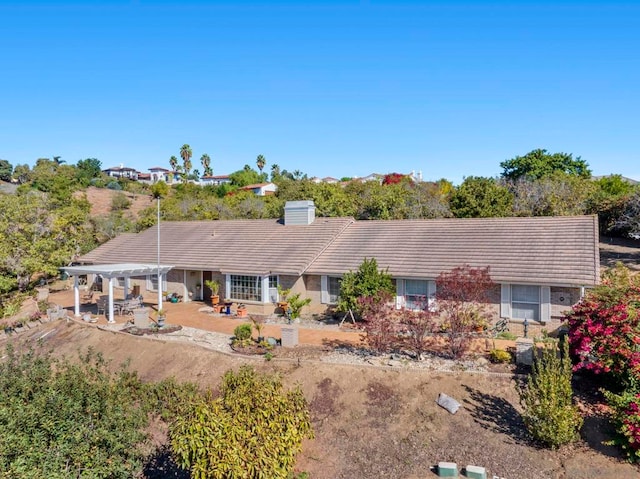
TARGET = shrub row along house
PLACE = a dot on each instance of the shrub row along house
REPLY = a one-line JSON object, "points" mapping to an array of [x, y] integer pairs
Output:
{"points": [[540, 265]]}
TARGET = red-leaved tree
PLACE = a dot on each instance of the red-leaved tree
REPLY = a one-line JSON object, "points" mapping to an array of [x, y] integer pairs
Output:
{"points": [[462, 299], [388, 328]]}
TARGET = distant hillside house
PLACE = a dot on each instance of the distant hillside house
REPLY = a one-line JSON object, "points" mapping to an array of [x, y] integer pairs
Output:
{"points": [[214, 180], [541, 265], [261, 189], [122, 172], [157, 173]]}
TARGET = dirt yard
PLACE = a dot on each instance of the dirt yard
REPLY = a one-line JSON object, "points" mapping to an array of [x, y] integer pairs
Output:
{"points": [[372, 422], [101, 200]]}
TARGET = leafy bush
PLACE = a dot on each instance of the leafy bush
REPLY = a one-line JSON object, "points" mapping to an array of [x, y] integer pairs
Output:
{"points": [[114, 185], [296, 304], [626, 419], [255, 429], [63, 419], [462, 296], [242, 331], [549, 413], [604, 327], [509, 336], [500, 356], [368, 281]]}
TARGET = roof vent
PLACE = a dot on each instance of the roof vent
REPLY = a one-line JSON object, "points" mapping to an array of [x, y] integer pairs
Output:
{"points": [[299, 212]]}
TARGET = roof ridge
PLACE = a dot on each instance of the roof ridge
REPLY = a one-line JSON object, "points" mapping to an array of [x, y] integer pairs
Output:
{"points": [[350, 222]]}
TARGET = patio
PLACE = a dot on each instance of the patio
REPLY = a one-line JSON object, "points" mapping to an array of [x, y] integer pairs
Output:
{"points": [[189, 314]]}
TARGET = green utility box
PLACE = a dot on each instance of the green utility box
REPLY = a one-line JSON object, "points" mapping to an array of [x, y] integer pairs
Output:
{"points": [[476, 472], [447, 469]]}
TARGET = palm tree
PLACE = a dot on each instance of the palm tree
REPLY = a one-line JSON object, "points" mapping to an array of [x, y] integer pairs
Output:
{"points": [[173, 162], [186, 154], [275, 171], [206, 162], [260, 161]]}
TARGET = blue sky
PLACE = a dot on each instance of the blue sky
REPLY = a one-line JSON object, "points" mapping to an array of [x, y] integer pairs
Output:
{"points": [[329, 88]]}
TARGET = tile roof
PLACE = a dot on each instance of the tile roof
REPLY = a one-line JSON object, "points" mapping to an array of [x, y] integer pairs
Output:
{"points": [[234, 246], [540, 250]]}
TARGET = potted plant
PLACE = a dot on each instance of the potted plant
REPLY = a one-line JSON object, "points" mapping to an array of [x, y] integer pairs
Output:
{"points": [[161, 317], [214, 286], [258, 324], [241, 311], [283, 302]]}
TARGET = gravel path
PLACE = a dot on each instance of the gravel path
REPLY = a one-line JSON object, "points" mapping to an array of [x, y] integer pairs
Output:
{"points": [[341, 355]]}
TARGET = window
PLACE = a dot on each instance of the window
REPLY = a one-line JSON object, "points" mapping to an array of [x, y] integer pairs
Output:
{"points": [[416, 293], [246, 288], [333, 287], [330, 289], [152, 282], [273, 289], [525, 302]]}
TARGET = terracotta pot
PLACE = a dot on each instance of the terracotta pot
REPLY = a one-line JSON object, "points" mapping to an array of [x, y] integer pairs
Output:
{"points": [[215, 299]]}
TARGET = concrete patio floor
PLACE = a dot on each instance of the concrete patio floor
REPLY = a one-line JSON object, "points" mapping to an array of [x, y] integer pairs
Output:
{"points": [[188, 314]]}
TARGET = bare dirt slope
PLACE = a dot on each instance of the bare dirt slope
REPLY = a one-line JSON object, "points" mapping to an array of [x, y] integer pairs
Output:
{"points": [[101, 198], [372, 422], [620, 250]]}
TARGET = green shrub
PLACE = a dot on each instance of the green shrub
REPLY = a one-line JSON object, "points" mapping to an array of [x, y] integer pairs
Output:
{"points": [[549, 413], [509, 336], [626, 419], [499, 356], [255, 429], [243, 331], [69, 419]]}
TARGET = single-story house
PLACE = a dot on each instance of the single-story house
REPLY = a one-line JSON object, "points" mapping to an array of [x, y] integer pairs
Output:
{"points": [[541, 265]]}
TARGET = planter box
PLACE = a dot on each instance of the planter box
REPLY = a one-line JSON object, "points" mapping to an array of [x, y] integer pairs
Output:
{"points": [[289, 336]]}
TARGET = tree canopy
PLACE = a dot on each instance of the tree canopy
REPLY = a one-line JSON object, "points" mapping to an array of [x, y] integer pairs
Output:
{"points": [[539, 163]]}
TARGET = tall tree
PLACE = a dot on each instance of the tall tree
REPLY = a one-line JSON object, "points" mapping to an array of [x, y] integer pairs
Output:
{"points": [[6, 170], [173, 162], [538, 164], [88, 169], [22, 174], [260, 162], [206, 164], [275, 171], [481, 197], [186, 154]]}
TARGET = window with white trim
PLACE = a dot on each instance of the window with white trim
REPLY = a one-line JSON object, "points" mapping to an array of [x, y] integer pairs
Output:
{"points": [[273, 289], [245, 287], [416, 293], [525, 302]]}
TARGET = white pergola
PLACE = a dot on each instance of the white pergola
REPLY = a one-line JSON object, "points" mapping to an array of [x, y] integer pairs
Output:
{"points": [[110, 271]]}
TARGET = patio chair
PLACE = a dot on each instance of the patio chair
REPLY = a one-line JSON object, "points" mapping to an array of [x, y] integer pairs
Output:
{"points": [[87, 297], [103, 304]]}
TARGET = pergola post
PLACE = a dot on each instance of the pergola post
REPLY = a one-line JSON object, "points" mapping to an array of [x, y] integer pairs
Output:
{"points": [[76, 296], [111, 317], [159, 290], [126, 286]]}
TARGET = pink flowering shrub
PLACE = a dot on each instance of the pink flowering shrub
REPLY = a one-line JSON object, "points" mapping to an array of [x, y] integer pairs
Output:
{"points": [[604, 327]]}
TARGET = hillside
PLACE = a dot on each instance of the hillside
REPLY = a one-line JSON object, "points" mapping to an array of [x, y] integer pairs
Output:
{"points": [[370, 422], [101, 200]]}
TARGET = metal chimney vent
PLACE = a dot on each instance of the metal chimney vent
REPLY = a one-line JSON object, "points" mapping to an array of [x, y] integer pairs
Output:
{"points": [[299, 213]]}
